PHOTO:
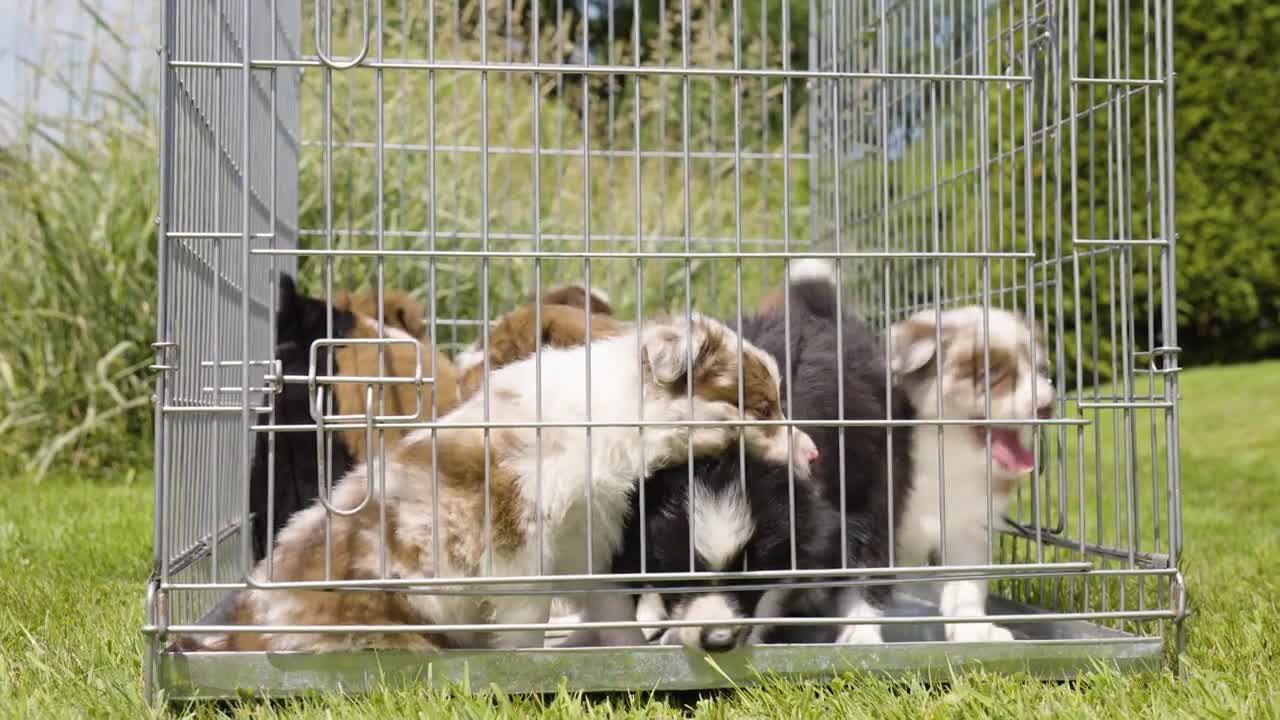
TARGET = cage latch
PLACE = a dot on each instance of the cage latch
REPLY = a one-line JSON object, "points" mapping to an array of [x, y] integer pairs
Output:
{"points": [[1163, 360], [166, 356], [369, 420]]}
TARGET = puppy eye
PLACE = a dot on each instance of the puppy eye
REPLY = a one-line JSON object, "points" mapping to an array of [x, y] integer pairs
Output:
{"points": [[997, 376]]}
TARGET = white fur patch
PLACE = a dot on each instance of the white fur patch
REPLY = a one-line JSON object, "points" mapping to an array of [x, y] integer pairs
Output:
{"points": [[388, 331], [812, 269], [649, 608], [468, 358], [722, 525], [716, 613], [854, 606]]}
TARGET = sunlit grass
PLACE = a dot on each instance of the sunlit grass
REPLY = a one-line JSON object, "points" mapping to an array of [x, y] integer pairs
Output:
{"points": [[74, 553]]}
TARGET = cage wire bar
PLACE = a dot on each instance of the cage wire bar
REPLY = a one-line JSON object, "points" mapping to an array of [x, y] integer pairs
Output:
{"points": [[1016, 154]]}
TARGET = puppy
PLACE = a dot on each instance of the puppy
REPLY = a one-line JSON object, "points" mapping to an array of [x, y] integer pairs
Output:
{"points": [[516, 336], [402, 320], [1017, 390], [399, 309], [519, 508], [512, 337], [300, 321], [745, 511], [741, 520]]}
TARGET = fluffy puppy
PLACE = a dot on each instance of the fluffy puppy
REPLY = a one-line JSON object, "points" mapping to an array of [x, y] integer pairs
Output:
{"points": [[952, 379], [742, 513], [746, 511], [517, 334], [402, 319], [300, 321], [520, 507], [562, 323], [399, 309]]}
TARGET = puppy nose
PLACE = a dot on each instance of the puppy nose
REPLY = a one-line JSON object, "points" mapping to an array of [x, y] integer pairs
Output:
{"points": [[1045, 411], [718, 639]]}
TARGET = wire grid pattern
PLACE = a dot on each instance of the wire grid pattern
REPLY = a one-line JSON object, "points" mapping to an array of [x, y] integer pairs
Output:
{"points": [[466, 153], [971, 179], [229, 163]]}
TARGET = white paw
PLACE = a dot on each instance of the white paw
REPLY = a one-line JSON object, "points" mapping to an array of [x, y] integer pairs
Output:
{"points": [[860, 635], [977, 632], [650, 609]]}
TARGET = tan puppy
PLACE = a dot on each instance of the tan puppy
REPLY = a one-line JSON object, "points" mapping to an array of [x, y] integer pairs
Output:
{"points": [[403, 318], [561, 324]]}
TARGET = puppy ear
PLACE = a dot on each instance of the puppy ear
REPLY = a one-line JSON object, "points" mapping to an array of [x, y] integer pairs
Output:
{"points": [[288, 291], [668, 348], [410, 318], [600, 302], [914, 343]]}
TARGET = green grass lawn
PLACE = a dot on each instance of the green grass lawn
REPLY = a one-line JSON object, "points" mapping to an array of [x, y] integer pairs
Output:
{"points": [[74, 555]]}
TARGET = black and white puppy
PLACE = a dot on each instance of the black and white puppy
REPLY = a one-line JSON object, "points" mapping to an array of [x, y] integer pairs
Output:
{"points": [[745, 512]]}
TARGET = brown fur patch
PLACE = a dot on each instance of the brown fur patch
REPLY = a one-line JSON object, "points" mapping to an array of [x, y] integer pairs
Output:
{"points": [[715, 377], [576, 296], [399, 309], [354, 547], [516, 335], [970, 363], [460, 461], [398, 361], [914, 330]]}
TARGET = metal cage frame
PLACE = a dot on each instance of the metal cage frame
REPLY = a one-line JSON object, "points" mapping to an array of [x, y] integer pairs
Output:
{"points": [[1008, 153]]}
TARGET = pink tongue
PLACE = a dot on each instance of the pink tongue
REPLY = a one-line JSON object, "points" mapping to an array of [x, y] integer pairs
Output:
{"points": [[1008, 451]]}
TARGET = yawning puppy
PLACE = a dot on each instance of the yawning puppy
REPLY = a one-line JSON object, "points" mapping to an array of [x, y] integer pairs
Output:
{"points": [[517, 504], [1019, 390]]}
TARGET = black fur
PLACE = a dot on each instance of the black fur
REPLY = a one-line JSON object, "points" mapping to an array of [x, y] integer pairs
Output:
{"points": [[666, 524], [300, 320], [814, 395]]}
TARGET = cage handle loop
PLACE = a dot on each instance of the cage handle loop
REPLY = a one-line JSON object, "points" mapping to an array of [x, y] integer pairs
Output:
{"points": [[364, 49], [317, 413]]}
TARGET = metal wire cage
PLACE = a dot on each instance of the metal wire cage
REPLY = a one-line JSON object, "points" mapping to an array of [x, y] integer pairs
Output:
{"points": [[1005, 153]]}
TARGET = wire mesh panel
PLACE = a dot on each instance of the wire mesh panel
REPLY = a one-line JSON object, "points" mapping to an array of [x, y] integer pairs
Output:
{"points": [[469, 157], [229, 169], [1021, 158]]}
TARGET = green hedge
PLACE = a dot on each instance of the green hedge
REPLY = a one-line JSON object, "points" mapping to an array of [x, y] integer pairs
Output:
{"points": [[1228, 173]]}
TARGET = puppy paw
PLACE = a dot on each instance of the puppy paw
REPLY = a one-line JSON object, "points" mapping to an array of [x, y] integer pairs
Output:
{"points": [[977, 632], [860, 635]]}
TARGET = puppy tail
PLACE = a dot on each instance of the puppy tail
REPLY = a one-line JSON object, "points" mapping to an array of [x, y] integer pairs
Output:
{"points": [[813, 286]]}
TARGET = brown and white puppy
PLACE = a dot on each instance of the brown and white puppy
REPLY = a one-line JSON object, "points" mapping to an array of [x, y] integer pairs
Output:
{"points": [[517, 335], [952, 380], [402, 319], [399, 309], [561, 323], [520, 507], [286, 469]]}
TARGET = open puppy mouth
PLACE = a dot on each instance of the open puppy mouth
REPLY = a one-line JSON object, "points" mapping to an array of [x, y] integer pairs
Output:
{"points": [[1009, 452]]}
